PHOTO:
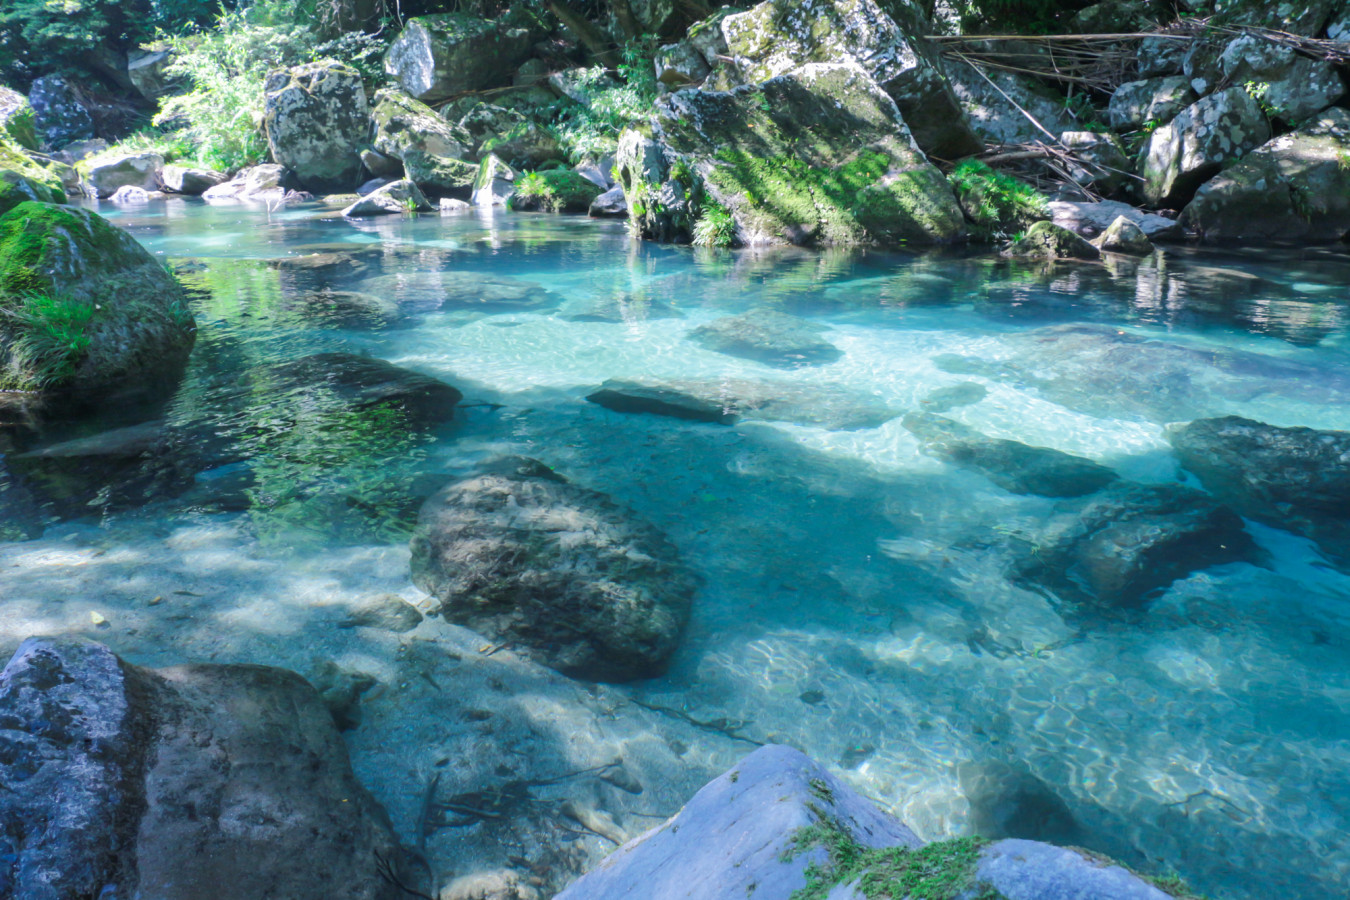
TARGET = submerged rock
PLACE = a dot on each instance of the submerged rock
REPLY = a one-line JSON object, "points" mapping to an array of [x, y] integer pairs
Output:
{"points": [[123, 319], [494, 293], [948, 398], [123, 781], [768, 336], [1293, 478], [724, 401], [317, 120], [1011, 465], [616, 308], [388, 611], [779, 825], [20, 517], [364, 383], [1007, 801], [1119, 546], [578, 582]]}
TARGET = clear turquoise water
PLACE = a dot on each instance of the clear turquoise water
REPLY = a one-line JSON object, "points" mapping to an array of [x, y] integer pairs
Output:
{"points": [[855, 599]]}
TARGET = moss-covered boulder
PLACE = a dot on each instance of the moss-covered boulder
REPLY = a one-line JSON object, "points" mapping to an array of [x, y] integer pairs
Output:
{"points": [[1124, 236], [995, 202], [1294, 188], [779, 35], [1190, 149], [438, 56], [440, 176], [818, 155], [317, 122], [17, 119], [84, 310], [556, 190], [23, 178], [403, 124], [1305, 17], [1046, 240], [1291, 87]]}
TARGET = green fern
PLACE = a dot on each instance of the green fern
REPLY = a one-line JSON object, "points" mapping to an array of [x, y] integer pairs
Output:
{"points": [[714, 227]]}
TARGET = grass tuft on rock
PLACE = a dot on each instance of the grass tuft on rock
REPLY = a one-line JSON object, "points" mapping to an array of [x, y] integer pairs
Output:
{"points": [[49, 336], [997, 204], [555, 190]]}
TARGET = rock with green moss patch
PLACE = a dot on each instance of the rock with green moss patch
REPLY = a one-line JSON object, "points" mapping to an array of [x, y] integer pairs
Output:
{"points": [[555, 190], [317, 121], [1294, 188], [496, 182], [438, 56], [1190, 149], [87, 312], [994, 201], [525, 144], [17, 119], [23, 178], [819, 155], [1124, 236], [779, 35], [439, 176], [403, 123], [1046, 240], [396, 197]]}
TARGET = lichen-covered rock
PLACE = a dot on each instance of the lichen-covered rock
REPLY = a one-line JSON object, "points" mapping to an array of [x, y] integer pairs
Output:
{"points": [[1294, 188], [22, 178], [495, 183], [122, 318], [1183, 154], [189, 180], [1124, 236], [122, 781], [679, 66], [1100, 160], [791, 169], [554, 190], [888, 43], [60, 114], [768, 336], [1090, 220], [402, 124], [1155, 100], [1304, 17], [1292, 478], [1046, 240], [317, 120], [1162, 55], [107, 174], [1012, 465], [1294, 87], [521, 555], [439, 176], [395, 197], [17, 119], [994, 117], [438, 56]]}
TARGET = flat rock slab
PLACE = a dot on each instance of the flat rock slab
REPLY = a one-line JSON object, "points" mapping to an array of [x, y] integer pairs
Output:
{"points": [[170, 783], [727, 400], [770, 337], [1092, 219]]}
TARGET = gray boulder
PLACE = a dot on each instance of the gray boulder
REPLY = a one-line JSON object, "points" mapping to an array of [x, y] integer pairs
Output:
{"points": [[1012, 465], [768, 336], [495, 183], [993, 114], [403, 124], [780, 825], [439, 176], [1101, 163], [1124, 236], [1150, 100], [679, 66], [1306, 18], [438, 56], [61, 114], [521, 556], [1294, 188], [1090, 220], [611, 204], [1162, 55], [122, 781], [778, 36], [1293, 478], [130, 194], [1294, 87], [395, 197], [381, 165], [317, 120], [1046, 240], [189, 180], [109, 173], [1186, 152]]}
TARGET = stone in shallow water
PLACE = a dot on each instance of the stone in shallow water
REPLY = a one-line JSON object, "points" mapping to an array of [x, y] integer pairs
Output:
{"points": [[123, 781], [662, 400], [616, 308], [342, 309], [1011, 465], [946, 399], [1117, 547], [725, 400], [580, 583], [768, 336], [364, 383], [1294, 478], [494, 293], [388, 611], [1008, 801]]}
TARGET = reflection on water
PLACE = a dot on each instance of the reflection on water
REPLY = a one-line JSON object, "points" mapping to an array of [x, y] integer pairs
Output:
{"points": [[857, 597]]}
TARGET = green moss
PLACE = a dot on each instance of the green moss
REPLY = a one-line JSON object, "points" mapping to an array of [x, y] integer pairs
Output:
{"points": [[48, 337], [22, 127], [996, 204], [23, 178], [941, 870], [555, 190]]}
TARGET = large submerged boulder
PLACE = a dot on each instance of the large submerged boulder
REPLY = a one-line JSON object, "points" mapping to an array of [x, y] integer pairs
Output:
{"points": [[91, 312], [317, 122], [1183, 154], [581, 584], [122, 781], [724, 401], [818, 155], [768, 336], [780, 825], [1293, 188], [438, 56], [777, 36]]}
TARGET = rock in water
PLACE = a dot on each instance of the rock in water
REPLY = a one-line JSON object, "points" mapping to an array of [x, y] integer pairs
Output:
{"points": [[1008, 801], [1294, 478], [581, 584], [1130, 540], [438, 56], [363, 383], [1092, 219], [124, 318], [1046, 240], [768, 336], [185, 180], [1294, 188], [723, 401], [396, 197], [122, 781], [1123, 236], [317, 122], [1011, 465], [611, 204], [790, 169], [109, 174]]}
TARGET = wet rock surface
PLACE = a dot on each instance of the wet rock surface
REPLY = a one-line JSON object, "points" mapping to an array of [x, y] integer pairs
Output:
{"points": [[110, 174], [768, 336], [1046, 240], [1011, 465], [173, 782], [727, 400], [574, 580]]}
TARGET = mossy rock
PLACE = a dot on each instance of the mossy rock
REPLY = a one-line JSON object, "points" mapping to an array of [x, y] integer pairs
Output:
{"points": [[439, 176], [1046, 240], [85, 311], [23, 179], [995, 202], [555, 190], [402, 124], [818, 155]]}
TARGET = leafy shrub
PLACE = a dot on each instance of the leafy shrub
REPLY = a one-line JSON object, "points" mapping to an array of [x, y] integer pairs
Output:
{"points": [[994, 202], [591, 130], [714, 226], [554, 190]]}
